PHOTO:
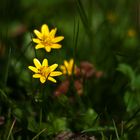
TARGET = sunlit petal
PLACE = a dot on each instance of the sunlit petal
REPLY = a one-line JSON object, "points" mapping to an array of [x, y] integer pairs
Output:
{"points": [[36, 75], [71, 62], [53, 32], [45, 29], [45, 62], [51, 79], [37, 63], [56, 46], [66, 64], [39, 46], [34, 69], [48, 48], [53, 67], [56, 73], [57, 39], [42, 79], [36, 40], [38, 34], [63, 69]]}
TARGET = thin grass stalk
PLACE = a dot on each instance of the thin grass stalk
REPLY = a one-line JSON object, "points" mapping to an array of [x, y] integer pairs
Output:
{"points": [[7, 67], [83, 17], [10, 131], [37, 136], [116, 131], [133, 116]]}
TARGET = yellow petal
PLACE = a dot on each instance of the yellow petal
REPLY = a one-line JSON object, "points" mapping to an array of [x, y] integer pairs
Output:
{"points": [[53, 67], [66, 64], [45, 62], [55, 73], [53, 32], [63, 68], [42, 79], [56, 46], [37, 63], [39, 46], [38, 34], [45, 29], [47, 48], [57, 39], [51, 79], [34, 69], [36, 75], [71, 62], [36, 40]]}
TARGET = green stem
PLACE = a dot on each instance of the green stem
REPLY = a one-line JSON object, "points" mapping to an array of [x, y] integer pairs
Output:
{"points": [[40, 118], [7, 67], [38, 134], [10, 131]]}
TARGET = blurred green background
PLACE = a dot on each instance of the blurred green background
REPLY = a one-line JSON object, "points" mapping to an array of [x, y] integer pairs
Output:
{"points": [[104, 33]]}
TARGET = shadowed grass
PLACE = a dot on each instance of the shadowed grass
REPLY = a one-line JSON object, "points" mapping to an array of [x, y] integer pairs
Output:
{"points": [[10, 131]]}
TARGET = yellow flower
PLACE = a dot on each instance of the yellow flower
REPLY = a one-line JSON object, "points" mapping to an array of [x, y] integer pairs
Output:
{"points": [[111, 17], [131, 33], [67, 68], [46, 39], [43, 71]]}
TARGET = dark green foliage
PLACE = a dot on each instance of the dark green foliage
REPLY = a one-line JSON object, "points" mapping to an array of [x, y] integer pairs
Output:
{"points": [[104, 33]]}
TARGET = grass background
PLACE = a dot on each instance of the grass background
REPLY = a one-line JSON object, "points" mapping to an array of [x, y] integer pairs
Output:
{"points": [[104, 33]]}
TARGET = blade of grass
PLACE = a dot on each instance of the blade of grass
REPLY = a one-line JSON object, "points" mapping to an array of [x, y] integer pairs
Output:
{"points": [[103, 137], [7, 67], [10, 131], [36, 136], [22, 52], [83, 17], [116, 131], [75, 40], [103, 129], [133, 116]]}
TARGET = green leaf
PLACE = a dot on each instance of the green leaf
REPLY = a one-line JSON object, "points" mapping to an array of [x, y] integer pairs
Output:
{"points": [[130, 100], [90, 116], [32, 124], [136, 82], [60, 124], [126, 70]]}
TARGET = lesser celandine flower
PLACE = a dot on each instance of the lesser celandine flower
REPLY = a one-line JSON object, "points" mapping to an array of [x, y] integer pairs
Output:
{"points": [[131, 33], [67, 68], [43, 71], [46, 39]]}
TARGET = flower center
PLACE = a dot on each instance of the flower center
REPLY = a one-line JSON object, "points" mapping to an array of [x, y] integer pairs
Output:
{"points": [[46, 40], [44, 71]]}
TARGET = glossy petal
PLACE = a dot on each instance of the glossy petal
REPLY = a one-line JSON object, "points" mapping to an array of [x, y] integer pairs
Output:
{"points": [[51, 79], [53, 32], [42, 79], [39, 46], [56, 73], [57, 39], [37, 63], [36, 40], [56, 46], [47, 48], [36, 75], [53, 67], [63, 68], [45, 29], [34, 69], [71, 62], [45, 62], [38, 34], [66, 64]]}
